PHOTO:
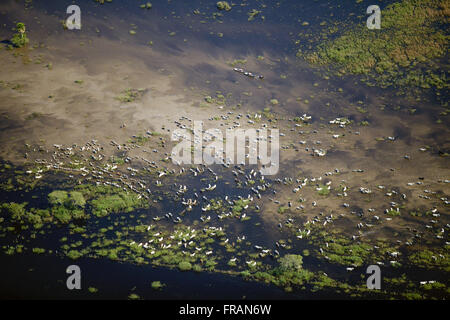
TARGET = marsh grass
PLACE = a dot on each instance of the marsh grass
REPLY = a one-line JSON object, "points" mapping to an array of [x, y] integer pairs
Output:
{"points": [[223, 5]]}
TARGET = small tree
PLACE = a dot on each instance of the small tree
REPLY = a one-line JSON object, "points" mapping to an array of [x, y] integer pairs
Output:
{"points": [[20, 27], [20, 39]]}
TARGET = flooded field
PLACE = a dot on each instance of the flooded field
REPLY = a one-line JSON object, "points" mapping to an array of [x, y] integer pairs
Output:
{"points": [[87, 175]]}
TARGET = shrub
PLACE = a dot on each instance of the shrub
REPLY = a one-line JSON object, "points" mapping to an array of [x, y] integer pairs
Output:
{"points": [[16, 210], [184, 266], [291, 262], [62, 214], [77, 199], [20, 39], [58, 197]]}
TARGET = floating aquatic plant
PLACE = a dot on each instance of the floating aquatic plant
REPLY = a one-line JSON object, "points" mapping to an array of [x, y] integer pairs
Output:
{"points": [[157, 285], [92, 290], [134, 296], [252, 14], [223, 5], [147, 5]]}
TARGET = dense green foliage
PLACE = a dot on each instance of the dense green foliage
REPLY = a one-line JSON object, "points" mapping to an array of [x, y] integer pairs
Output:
{"points": [[410, 35], [291, 262], [20, 38]]}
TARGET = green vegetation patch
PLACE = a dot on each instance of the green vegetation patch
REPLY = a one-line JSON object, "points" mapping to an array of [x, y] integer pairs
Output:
{"points": [[120, 202], [147, 5], [130, 95], [223, 5], [157, 285], [20, 38], [291, 262], [252, 14], [411, 34], [323, 190], [431, 258], [184, 266], [345, 253]]}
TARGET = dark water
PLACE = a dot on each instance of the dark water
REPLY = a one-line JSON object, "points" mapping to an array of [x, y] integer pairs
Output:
{"points": [[32, 276], [43, 277]]}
